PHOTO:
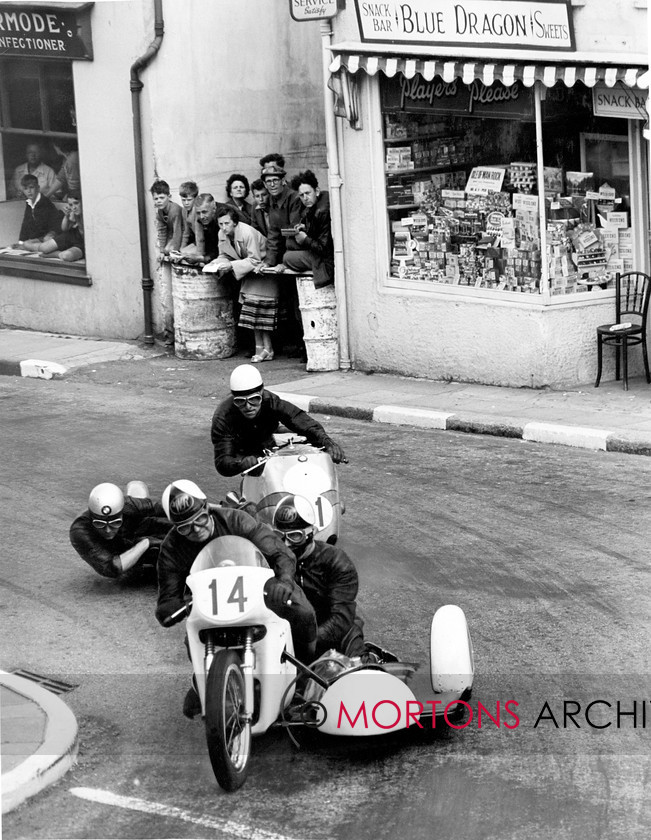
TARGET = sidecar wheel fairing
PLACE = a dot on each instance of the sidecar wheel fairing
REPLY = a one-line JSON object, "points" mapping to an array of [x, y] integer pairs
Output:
{"points": [[452, 666], [227, 735]]}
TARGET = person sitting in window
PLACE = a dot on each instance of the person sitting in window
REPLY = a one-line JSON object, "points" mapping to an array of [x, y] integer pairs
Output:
{"points": [[70, 242], [41, 221], [68, 178], [33, 166]]}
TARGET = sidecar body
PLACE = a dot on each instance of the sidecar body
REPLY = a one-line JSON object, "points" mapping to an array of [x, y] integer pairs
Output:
{"points": [[301, 469], [377, 699]]}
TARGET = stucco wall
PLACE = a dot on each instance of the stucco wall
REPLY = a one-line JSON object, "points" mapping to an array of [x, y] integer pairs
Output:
{"points": [[232, 81]]}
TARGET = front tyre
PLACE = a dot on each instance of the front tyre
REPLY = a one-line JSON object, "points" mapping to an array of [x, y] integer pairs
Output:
{"points": [[228, 736]]}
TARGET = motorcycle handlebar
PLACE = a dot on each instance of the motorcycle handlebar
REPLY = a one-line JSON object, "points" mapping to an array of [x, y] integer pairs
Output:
{"points": [[269, 453]]}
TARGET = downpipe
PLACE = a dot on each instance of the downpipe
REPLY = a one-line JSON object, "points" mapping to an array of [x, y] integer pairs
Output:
{"points": [[334, 185], [136, 85]]}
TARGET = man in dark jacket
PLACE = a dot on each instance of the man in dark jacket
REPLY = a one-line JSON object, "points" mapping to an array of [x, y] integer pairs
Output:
{"points": [[314, 237], [284, 212], [119, 533], [41, 220], [244, 423], [195, 524], [326, 575]]}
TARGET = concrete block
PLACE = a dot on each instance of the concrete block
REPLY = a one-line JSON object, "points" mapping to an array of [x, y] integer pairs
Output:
{"points": [[41, 370]]}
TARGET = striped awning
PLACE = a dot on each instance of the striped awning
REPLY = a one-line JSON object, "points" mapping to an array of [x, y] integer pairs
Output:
{"points": [[489, 72]]}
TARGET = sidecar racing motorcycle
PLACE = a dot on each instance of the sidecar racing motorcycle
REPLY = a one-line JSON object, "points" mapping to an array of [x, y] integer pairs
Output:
{"points": [[249, 680]]}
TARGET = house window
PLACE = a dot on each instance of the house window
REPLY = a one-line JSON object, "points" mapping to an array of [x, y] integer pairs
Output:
{"points": [[38, 135]]}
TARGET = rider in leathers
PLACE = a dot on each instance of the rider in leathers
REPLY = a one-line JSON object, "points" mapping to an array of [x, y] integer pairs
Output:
{"points": [[244, 423], [326, 575], [195, 524], [117, 534]]}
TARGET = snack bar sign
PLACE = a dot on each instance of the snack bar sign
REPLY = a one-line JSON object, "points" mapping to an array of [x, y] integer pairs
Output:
{"points": [[540, 24]]}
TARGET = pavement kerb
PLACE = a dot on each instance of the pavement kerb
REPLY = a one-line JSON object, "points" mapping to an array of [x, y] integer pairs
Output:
{"points": [[534, 432], [56, 755]]}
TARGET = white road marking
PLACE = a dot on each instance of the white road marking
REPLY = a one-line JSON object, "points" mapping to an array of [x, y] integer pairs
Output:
{"points": [[227, 827]]}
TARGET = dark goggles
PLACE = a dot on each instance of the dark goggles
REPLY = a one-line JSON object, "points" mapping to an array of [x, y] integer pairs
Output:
{"points": [[200, 521], [254, 400], [105, 524]]}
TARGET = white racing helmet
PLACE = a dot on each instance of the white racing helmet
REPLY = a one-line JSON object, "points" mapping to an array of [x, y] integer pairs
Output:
{"points": [[245, 379], [106, 500]]}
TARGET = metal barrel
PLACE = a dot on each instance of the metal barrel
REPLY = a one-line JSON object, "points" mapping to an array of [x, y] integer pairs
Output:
{"points": [[204, 326], [319, 316]]}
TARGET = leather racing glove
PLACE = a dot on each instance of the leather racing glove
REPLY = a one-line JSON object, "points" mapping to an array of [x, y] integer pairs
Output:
{"points": [[335, 452], [279, 591]]}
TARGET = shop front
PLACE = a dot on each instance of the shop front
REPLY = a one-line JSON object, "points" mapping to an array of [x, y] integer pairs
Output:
{"points": [[496, 180], [123, 93]]}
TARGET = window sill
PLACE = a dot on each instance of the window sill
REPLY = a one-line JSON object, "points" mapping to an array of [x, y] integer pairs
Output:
{"points": [[42, 268]]}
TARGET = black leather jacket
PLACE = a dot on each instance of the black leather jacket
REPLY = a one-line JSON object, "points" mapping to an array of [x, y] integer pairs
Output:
{"points": [[140, 518], [234, 437], [329, 579], [177, 555]]}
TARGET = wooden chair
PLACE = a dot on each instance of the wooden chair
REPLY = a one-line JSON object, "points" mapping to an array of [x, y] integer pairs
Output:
{"points": [[632, 291]]}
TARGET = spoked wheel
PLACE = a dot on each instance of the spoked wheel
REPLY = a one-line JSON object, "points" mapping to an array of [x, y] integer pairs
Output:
{"points": [[227, 735]]}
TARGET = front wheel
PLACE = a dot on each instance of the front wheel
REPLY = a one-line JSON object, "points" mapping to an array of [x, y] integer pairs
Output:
{"points": [[228, 736]]}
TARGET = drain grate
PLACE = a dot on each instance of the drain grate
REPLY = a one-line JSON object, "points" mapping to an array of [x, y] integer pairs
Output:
{"points": [[55, 686]]}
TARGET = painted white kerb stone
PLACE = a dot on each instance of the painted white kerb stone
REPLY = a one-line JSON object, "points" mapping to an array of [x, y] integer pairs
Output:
{"points": [[579, 436], [299, 400], [53, 758], [38, 369], [401, 416]]}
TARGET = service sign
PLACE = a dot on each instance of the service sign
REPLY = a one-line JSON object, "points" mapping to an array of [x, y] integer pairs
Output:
{"points": [[312, 9], [540, 24], [619, 101]]}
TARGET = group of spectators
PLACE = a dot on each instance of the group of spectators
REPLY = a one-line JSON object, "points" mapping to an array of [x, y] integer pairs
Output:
{"points": [[45, 229], [262, 230]]}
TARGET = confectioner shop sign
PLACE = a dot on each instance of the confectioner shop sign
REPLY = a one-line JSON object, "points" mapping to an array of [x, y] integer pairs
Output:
{"points": [[455, 97], [44, 32], [539, 24]]}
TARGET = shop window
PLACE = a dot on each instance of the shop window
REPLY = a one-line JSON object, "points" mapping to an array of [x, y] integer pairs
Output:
{"points": [[462, 187], [38, 134]]}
